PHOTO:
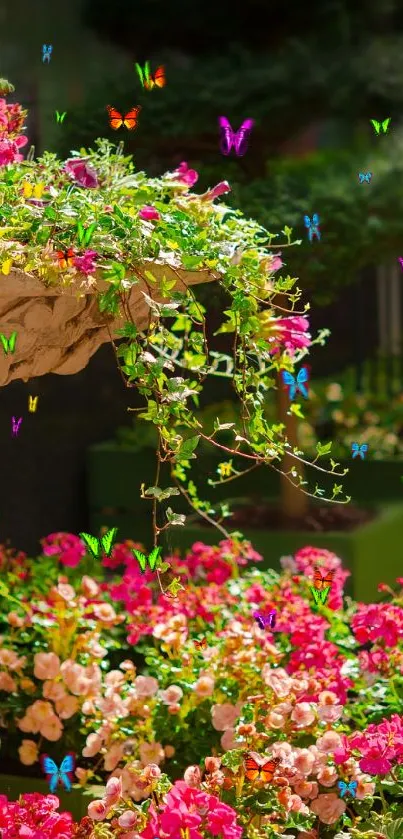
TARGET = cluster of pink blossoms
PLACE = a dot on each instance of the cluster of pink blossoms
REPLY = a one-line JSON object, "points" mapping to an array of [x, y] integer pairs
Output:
{"points": [[380, 745], [12, 119], [34, 816]]}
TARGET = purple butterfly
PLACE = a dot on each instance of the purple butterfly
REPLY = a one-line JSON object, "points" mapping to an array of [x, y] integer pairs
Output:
{"points": [[16, 425], [265, 621], [237, 139]]}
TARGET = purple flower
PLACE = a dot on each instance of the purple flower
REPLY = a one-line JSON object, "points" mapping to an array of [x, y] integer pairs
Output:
{"points": [[148, 213], [86, 262], [82, 173], [185, 175]]}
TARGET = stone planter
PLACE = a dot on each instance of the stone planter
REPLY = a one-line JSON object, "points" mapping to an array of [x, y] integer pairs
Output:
{"points": [[60, 328]]}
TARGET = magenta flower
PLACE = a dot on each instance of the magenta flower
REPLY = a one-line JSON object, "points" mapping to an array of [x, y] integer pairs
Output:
{"points": [[185, 175], [9, 150], [68, 548], [86, 262], [34, 816], [374, 763], [148, 213], [290, 333], [81, 172], [216, 191]]}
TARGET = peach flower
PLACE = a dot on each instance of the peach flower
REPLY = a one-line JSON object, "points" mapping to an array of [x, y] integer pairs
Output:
{"points": [[274, 720], [204, 686], [28, 752], [278, 680], [330, 713], [52, 729], [151, 753], [304, 761], [104, 612], [7, 683], [89, 587], [329, 742], [53, 690], [113, 756], [114, 678], [327, 776], [306, 789], [46, 665], [171, 695], [113, 791], [229, 740], [192, 776], [97, 810], [28, 724], [145, 686], [303, 715], [225, 715], [169, 751], [128, 819], [41, 711], [328, 807], [27, 685], [365, 787], [15, 620], [10, 659], [67, 707], [93, 745]]}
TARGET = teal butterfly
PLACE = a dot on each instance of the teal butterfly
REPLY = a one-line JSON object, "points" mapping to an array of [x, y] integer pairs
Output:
{"points": [[8, 343], [150, 560], [102, 545], [381, 125], [85, 234]]}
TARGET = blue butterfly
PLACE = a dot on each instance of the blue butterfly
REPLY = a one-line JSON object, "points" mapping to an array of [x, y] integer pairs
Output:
{"points": [[47, 53], [351, 788], [359, 450], [56, 775], [296, 384], [313, 229], [365, 176]]}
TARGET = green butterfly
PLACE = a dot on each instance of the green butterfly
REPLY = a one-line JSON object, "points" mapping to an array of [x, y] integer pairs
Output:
{"points": [[60, 117], [8, 343], [144, 75], [320, 596], [85, 234], [378, 125], [102, 545], [150, 560]]}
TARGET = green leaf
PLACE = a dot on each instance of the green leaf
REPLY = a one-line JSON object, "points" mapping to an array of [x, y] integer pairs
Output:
{"points": [[324, 448], [175, 518], [395, 829], [187, 448]]}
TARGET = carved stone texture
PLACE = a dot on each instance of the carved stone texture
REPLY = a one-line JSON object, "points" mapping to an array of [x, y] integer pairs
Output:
{"points": [[58, 331]]}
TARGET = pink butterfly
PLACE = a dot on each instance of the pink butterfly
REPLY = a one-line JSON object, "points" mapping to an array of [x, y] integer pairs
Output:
{"points": [[401, 262], [234, 139]]}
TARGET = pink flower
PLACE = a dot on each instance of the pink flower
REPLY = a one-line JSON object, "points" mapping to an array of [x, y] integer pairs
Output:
{"points": [[329, 743], [151, 753], [69, 548], [374, 763], [128, 819], [113, 792], [97, 810], [148, 213], [93, 745], [290, 333], [185, 175], [328, 807], [86, 263], [9, 150], [224, 716], [204, 686], [216, 191], [145, 686], [46, 665], [303, 715], [81, 172], [171, 695]]}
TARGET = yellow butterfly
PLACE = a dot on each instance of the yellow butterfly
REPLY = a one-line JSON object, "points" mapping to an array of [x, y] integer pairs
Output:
{"points": [[32, 403], [6, 266], [33, 190]]}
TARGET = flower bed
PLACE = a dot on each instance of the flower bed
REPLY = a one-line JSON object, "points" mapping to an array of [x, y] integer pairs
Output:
{"points": [[320, 692]]}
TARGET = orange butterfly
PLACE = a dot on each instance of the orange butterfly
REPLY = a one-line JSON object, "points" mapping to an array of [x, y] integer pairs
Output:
{"points": [[65, 258], [156, 79], [116, 120], [201, 645], [320, 582], [260, 768]]}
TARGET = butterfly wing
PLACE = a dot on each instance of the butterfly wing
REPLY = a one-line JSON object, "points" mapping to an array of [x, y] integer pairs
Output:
{"points": [[302, 377], [241, 137], [352, 787], [385, 125], [259, 619], [140, 73], [272, 619], [307, 221], [268, 769], [12, 341], [342, 787], [38, 190], [159, 77], [6, 266], [130, 120], [50, 769], [153, 558], [327, 580], [364, 448], [115, 118], [141, 559], [376, 124], [107, 540], [92, 543], [315, 219], [318, 580], [290, 381], [227, 135], [27, 189], [252, 768], [66, 770]]}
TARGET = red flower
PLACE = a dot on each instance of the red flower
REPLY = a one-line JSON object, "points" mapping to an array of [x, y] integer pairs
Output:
{"points": [[81, 172]]}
